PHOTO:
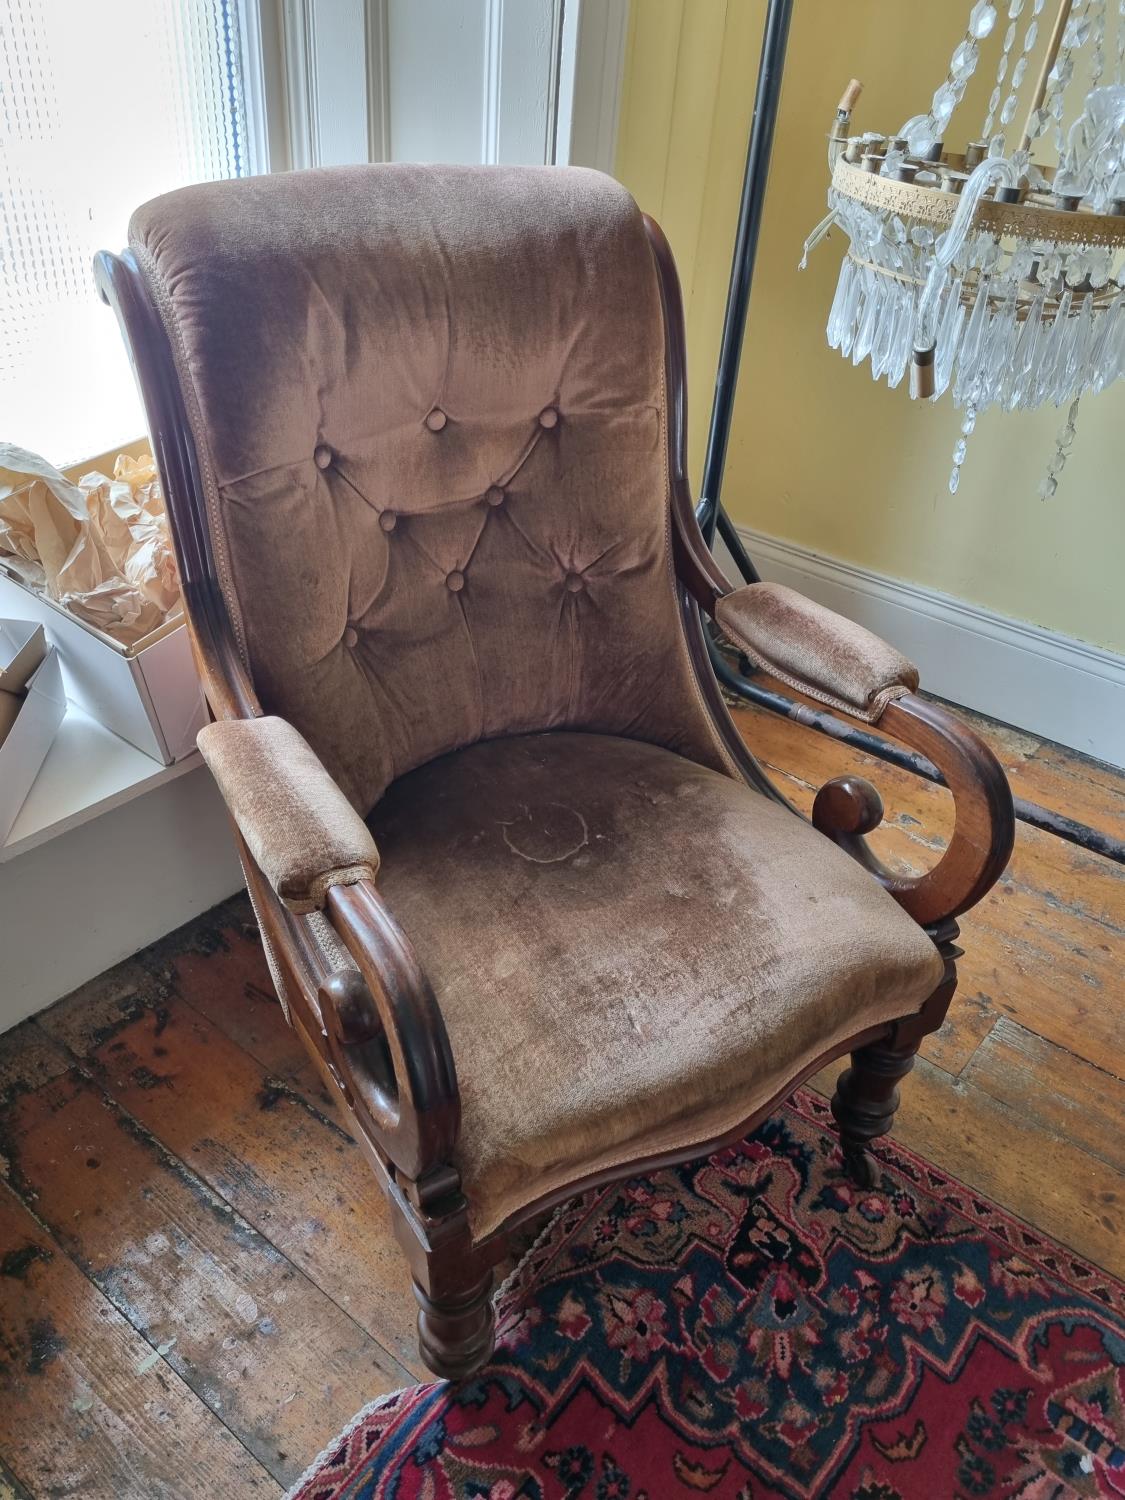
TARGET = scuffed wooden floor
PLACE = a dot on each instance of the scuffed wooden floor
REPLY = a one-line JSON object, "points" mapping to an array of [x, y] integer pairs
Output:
{"points": [[198, 1286]]}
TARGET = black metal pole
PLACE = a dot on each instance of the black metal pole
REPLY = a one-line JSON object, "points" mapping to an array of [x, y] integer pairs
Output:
{"points": [[766, 100]]}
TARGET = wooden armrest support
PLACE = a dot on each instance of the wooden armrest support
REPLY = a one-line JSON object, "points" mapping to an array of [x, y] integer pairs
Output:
{"points": [[848, 807], [387, 1038]]}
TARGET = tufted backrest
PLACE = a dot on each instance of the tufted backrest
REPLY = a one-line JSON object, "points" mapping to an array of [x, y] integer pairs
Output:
{"points": [[430, 413]]}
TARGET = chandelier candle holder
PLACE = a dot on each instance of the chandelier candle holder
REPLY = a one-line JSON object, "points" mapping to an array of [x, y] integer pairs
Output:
{"points": [[984, 271]]}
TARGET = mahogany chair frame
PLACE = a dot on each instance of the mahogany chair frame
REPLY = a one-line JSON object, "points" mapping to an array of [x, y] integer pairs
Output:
{"points": [[376, 1033]]}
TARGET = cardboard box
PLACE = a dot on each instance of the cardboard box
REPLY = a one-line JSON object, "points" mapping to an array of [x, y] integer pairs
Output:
{"points": [[147, 693], [40, 712]]}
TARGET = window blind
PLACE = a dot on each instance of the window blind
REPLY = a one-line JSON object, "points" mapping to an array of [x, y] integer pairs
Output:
{"points": [[102, 106]]}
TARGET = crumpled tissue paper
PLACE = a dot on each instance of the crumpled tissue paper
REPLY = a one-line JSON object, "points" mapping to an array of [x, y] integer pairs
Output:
{"points": [[100, 548]]}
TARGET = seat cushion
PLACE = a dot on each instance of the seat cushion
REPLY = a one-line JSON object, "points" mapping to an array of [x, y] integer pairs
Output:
{"points": [[631, 952]]}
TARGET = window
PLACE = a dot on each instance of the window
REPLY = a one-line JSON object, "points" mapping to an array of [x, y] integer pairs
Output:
{"points": [[106, 103], [101, 107]]}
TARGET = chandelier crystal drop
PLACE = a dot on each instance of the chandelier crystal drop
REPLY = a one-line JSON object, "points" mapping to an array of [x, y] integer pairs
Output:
{"points": [[987, 271]]}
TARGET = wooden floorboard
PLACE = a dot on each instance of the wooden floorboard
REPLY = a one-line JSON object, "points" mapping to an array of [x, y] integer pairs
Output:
{"points": [[198, 1282], [89, 1406], [10, 1487], [251, 1335], [1081, 1104], [259, 1144]]}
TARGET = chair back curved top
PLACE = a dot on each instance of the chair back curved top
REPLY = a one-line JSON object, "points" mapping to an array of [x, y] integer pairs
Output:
{"points": [[430, 411]]}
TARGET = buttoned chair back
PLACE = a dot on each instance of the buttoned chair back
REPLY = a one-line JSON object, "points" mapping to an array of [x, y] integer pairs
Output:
{"points": [[429, 407]]}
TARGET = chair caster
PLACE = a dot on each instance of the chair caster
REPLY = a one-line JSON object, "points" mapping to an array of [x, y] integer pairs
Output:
{"points": [[860, 1166]]}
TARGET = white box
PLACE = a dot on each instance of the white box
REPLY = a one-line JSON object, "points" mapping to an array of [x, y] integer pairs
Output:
{"points": [[148, 693], [41, 712]]}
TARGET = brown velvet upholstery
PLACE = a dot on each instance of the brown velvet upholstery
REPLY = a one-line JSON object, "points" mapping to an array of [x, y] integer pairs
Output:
{"points": [[427, 480], [563, 893], [429, 406], [304, 834], [816, 650]]}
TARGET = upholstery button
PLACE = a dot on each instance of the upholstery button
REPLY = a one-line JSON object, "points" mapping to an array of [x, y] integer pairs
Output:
{"points": [[455, 581], [322, 455], [495, 495], [351, 637], [436, 419], [575, 583], [388, 520], [548, 417]]}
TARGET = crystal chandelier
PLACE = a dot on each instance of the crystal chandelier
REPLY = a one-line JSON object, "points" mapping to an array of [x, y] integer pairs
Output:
{"points": [[985, 271]]}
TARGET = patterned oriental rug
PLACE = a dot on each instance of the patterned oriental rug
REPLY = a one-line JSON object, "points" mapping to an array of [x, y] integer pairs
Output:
{"points": [[755, 1326]]}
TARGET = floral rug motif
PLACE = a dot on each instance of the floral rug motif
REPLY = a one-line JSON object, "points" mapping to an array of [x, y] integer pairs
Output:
{"points": [[754, 1326]]}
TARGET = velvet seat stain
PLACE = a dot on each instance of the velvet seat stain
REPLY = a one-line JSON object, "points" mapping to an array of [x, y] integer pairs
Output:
{"points": [[561, 892]]}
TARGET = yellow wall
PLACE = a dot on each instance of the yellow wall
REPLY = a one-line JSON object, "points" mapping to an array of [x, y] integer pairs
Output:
{"points": [[819, 453]]}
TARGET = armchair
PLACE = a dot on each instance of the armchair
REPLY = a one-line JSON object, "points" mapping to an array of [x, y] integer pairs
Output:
{"points": [[422, 433]]}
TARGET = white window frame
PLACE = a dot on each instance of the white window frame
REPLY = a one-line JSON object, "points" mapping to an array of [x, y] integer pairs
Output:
{"points": [[308, 106], [591, 77]]}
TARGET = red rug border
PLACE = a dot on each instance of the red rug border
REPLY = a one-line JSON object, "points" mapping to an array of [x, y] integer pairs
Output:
{"points": [[1051, 1257]]}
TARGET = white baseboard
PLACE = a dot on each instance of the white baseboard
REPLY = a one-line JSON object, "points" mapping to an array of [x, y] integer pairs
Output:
{"points": [[1024, 675]]}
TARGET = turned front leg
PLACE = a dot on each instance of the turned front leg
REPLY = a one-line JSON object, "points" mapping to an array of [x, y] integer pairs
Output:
{"points": [[457, 1329], [865, 1101]]}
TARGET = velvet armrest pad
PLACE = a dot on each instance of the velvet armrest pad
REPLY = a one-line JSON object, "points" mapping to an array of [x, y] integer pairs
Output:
{"points": [[303, 832], [816, 650]]}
